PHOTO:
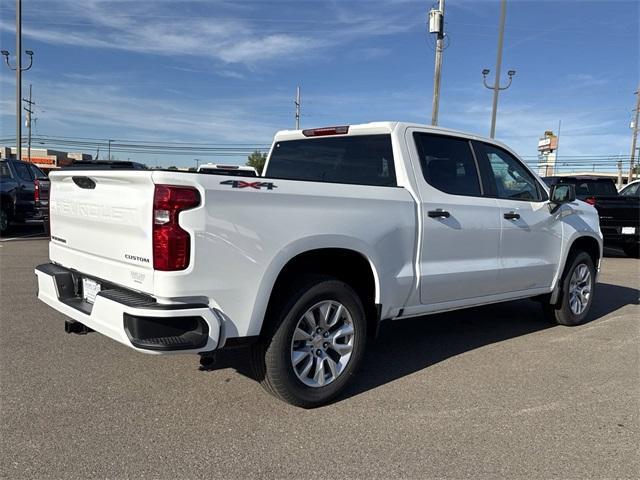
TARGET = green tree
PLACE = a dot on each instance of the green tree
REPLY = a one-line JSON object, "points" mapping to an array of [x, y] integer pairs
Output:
{"points": [[256, 160]]}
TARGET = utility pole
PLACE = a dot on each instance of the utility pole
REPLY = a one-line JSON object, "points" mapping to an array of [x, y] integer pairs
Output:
{"points": [[496, 84], [298, 104], [634, 137], [436, 25], [19, 69], [29, 111], [619, 165]]}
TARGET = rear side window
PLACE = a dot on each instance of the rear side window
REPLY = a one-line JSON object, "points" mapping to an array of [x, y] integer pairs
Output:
{"points": [[36, 172], [23, 172], [360, 160], [4, 170], [448, 164]]}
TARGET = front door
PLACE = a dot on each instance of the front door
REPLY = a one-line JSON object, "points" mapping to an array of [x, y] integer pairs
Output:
{"points": [[531, 242], [459, 249]]}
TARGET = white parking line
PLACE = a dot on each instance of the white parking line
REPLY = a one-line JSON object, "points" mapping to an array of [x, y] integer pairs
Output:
{"points": [[31, 235]]}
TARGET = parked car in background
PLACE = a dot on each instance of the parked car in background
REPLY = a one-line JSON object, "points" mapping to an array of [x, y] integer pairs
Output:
{"points": [[619, 211], [233, 170], [348, 227], [631, 189], [24, 194]]}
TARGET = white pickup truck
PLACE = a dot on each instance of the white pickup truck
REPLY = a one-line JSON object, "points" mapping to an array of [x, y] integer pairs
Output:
{"points": [[349, 226]]}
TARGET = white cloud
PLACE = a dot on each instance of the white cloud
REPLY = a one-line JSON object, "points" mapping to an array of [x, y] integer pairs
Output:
{"points": [[152, 27]]}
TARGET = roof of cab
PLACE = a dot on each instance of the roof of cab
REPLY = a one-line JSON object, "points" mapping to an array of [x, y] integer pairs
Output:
{"points": [[388, 127]]}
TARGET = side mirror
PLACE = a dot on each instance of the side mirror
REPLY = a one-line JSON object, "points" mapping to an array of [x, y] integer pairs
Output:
{"points": [[560, 194]]}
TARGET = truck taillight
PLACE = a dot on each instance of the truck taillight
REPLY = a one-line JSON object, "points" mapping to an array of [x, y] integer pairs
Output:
{"points": [[36, 190], [325, 131], [171, 244], [590, 200]]}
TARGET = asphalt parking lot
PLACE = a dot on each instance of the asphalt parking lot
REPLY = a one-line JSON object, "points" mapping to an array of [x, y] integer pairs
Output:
{"points": [[493, 392]]}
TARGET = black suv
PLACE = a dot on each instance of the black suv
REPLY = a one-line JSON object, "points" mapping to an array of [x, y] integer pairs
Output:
{"points": [[24, 193]]}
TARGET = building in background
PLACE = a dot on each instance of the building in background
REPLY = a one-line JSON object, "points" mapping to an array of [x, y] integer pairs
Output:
{"points": [[547, 147], [45, 158]]}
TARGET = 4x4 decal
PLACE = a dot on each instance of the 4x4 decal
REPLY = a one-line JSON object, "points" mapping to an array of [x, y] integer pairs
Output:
{"points": [[245, 184]]}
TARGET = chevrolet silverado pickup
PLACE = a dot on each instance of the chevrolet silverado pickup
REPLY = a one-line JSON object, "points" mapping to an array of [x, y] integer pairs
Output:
{"points": [[349, 226]]}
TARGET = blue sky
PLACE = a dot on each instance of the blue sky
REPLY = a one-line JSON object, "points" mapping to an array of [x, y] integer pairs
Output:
{"points": [[225, 71]]}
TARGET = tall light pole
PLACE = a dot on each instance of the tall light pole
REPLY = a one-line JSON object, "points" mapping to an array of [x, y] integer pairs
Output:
{"points": [[298, 105], [436, 25], [496, 84], [19, 69], [634, 138]]}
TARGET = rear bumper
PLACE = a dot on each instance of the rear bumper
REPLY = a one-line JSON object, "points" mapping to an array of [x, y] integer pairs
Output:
{"points": [[129, 318], [617, 239]]}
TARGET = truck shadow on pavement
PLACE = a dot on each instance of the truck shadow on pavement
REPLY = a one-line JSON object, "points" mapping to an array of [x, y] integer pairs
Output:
{"points": [[407, 346]]}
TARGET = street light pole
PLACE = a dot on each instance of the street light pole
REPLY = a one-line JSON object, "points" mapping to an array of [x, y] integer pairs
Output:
{"points": [[436, 25], [496, 84], [634, 137], [19, 69], [19, 79]]}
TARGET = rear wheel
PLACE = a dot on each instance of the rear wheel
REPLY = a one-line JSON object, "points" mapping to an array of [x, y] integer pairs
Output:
{"points": [[578, 282], [632, 250], [4, 221], [315, 345]]}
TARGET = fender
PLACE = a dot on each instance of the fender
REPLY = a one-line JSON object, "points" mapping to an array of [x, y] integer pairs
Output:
{"points": [[555, 292], [296, 248]]}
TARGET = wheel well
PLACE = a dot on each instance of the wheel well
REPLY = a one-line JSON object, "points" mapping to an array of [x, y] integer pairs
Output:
{"points": [[589, 245], [346, 265]]}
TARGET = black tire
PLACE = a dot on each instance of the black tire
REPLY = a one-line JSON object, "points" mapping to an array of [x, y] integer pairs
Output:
{"points": [[632, 251], [271, 358], [561, 313], [4, 221]]}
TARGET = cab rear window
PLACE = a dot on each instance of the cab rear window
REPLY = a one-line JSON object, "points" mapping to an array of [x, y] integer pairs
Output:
{"points": [[359, 160]]}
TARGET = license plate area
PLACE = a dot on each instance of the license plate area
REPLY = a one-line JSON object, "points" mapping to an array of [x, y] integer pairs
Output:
{"points": [[628, 230], [90, 288]]}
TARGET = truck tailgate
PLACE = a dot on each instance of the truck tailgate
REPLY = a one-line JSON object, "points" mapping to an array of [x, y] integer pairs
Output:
{"points": [[101, 224]]}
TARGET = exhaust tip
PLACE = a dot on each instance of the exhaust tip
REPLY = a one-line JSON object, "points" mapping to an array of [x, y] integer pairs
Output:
{"points": [[76, 327]]}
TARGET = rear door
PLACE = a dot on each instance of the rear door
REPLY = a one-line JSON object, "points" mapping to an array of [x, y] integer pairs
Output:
{"points": [[531, 241], [461, 228]]}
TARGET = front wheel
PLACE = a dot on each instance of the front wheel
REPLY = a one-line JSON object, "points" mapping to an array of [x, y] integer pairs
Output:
{"points": [[316, 343], [578, 283]]}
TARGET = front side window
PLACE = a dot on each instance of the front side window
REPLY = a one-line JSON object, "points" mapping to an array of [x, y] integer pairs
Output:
{"points": [[448, 164], [512, 180], [356, 159], [4, 170]]}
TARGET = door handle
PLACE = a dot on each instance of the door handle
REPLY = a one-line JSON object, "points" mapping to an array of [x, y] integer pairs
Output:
{"points": [[438, 213], [512, 216]]}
